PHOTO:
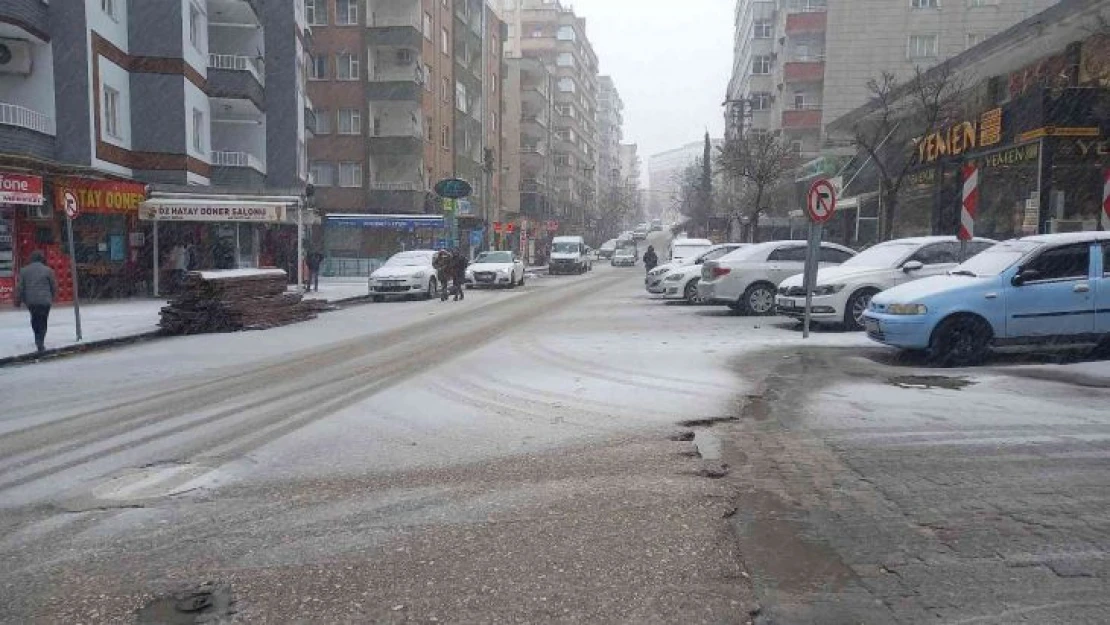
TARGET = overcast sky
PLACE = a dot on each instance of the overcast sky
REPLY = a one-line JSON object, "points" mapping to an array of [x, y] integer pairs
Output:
{"points": [[671, 63]]}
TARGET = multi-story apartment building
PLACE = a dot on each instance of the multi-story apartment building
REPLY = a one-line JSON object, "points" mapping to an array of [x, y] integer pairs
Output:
{"points": [[630, 167], [665, 171], [610, 120], [799, 64], [548, 32], [100, 98], [405, 92], [529, 108]]}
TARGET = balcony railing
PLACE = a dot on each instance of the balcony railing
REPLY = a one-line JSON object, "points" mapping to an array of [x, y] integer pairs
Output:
{"points": [[534, 119], [223, 158], [385, 133], [394, 21], [801, 119], [412, 74], [23, 117], [396, 186], [804, 71], [240, 63]]}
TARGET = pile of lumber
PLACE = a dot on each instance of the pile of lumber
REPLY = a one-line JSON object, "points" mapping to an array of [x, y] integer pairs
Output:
{"points": [[233, 300]]}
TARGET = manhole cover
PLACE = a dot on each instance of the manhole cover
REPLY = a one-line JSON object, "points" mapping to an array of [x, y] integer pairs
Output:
{"points": [[930, 381]]}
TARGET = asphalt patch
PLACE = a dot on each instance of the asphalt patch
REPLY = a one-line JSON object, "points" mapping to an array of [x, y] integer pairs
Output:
{"points": [[929, 382], [209, 602]]}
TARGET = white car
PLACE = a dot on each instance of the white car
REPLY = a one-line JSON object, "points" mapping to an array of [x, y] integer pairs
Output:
{"points": [[405, 274], [747, 279], [502, 269], [842, 294], [654, 280]]}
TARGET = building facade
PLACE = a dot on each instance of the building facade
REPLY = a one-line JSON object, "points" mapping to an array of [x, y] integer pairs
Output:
{"points": [[665, 171], [106, 102]]}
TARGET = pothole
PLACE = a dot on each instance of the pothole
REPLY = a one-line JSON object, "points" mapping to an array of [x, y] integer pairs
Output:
{"points": [[209, 602], [929, 381]]}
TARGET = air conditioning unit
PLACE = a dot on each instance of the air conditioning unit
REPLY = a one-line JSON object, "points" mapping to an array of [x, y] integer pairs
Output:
{"points": [[15, 56], [404, 56], [42, 211]]}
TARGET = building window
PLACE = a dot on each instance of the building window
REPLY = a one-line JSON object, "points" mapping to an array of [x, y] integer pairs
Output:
{"points": [[109, 7], [428, 32], [445, 137], [566, 33], [198, 131], [761, 64], [974, 39], [350, 122], [565, 59], [350, 174], [493, 83], [429, 130], [460, 97], [428, 78], [444, 41], [346, 12], [111, 112], [445, 90], [323, 174], [922, 47], [323, 122], [925, 4], [493, 124], [760, 101], [196, 27], [318, 67], [764, 29], [316, 12], [346, 66], [566, 85]]}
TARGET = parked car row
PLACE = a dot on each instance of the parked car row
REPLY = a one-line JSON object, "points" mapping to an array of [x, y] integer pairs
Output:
{"points": [[914, 293]]}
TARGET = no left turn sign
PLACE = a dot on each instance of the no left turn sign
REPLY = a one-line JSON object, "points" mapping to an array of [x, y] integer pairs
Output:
{"points": [[821, 201], [73, 209]]}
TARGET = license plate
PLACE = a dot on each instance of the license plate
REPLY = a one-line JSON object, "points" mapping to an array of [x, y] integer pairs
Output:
{"points": [[871, 325], [393, 282]]}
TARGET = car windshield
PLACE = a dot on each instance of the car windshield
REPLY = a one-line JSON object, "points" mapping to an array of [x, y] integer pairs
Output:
{"points": [[996, 259], [409, 259], [563, 247], [611, 244], [682, 251], [494, 257], [882, 255]]}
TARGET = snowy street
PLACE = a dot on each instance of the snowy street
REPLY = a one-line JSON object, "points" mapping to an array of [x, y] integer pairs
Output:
{"points": [[510, 457]]}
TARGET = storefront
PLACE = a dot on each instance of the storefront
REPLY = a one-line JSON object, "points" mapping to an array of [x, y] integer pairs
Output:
{"points": [[193, 232], [19, 194], [354, 243]]}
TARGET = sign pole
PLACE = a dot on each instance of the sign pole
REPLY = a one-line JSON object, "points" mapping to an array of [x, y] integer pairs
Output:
{"points": [[300, 248], [820, 207], [1106, 199], [158, 260], [73, 272], [810, 275]]}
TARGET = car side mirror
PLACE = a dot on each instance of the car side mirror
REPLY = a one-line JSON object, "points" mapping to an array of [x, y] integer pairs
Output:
{"points": [[912, 265], [1024, 275]]}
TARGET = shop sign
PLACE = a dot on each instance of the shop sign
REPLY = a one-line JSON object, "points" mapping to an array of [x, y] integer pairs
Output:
{"points": [[266, 213], [20, 189], [962, 137], [925, 177], [385, 222], [1083, 149], [1049, 72], [1020, 155], [101, 196]]}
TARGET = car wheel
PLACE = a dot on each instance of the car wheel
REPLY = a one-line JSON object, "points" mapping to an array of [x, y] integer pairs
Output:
{"points": [[512, 282], [521, 283], [433, 289], [857, 305], [758, 300], [691, 292], [1101, 350], [959, 341]]}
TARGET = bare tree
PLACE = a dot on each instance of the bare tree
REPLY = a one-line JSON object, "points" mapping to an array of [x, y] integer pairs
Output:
{"points": [[761, 161], [912, 109]]}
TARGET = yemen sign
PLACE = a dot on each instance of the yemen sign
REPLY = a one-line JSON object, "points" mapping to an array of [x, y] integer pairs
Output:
{"points": [[261, 213], [453, 188]]}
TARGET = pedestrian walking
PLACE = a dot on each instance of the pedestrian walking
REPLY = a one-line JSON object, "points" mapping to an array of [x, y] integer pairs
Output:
{"points": [[314, 260], [458, 269], [442, 264], [651, 259], [37, 289]]}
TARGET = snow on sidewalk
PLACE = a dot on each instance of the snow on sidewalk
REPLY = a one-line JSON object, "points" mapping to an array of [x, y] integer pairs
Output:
{"points": [[99, 322]]}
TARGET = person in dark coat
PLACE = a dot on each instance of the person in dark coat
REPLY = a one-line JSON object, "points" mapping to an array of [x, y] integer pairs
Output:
{"points": [[37, 289], [442, 263], [458, 271], [651, 259], [314, 261]]}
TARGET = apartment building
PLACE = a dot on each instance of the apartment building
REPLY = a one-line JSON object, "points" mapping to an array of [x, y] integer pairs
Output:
{"points": [[798, 64], [529, 109], [195, 98], [551, 35], [610, 120], [665, 170]]}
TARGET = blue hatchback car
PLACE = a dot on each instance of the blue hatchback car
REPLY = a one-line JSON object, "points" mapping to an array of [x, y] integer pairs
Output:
{"points": [[1039, 289]]}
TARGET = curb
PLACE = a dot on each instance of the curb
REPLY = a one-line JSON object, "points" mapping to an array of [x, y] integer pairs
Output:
{"points": [[78, 348]]}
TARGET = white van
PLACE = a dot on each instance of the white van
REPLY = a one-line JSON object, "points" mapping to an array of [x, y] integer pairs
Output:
{"points": [[686, 248], [569, 255]]}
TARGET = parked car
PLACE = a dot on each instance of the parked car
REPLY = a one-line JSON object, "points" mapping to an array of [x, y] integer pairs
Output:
{"points": [[607, 248], [747, 279], [504, 269], [405, 274], [569, 254], [640, 233], [1052, 288], [842, 294], [625, 256], [654, 280], [686, 248]]}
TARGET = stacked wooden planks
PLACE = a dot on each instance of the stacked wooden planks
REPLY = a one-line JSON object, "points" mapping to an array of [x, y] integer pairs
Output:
{"points": [[233, 300]]}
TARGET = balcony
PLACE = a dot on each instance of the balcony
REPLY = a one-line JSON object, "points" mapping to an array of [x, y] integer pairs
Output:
{"points": [[397, 142], [221, 158], [30, 16], [235, 13], [806, 23], [534, 148], [236, 77], [26, 132], [539, 120], [310, 119], [802, 119], [230, 168], [804, 71], [394, 30]]}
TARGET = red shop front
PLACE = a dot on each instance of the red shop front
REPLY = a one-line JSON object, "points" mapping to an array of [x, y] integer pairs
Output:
{"points": [[20, 195]]}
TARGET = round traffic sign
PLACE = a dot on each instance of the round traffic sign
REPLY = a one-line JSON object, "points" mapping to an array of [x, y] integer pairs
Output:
{"points": [[73, 209], [821, 201]]}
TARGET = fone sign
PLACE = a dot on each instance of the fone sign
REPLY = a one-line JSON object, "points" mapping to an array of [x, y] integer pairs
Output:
{"points": [[20, 189]]}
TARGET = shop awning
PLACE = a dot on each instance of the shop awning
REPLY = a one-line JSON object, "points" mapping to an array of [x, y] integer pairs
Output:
{"points": [[204, 209], [388, 222]]}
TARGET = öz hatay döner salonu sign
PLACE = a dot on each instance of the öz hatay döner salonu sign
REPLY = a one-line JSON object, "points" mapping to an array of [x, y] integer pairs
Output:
{"points": [[241, 212]]}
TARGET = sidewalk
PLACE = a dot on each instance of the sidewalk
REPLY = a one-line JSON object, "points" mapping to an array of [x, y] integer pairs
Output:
{"points": [[120, 320]]}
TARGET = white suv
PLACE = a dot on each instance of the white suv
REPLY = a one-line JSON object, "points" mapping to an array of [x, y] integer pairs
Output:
{"points": [[747, 279], [841, 294]]}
